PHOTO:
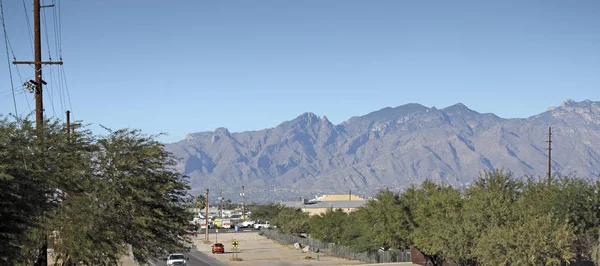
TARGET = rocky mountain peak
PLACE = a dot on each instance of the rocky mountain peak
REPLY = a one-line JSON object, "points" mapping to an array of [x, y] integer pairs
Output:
{"points": [[307, 117], [571, 106], [222, 131], [570, 103], [458, 108]]}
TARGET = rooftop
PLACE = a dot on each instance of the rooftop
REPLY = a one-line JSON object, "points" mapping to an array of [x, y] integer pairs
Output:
{"points": [[326, 204]]}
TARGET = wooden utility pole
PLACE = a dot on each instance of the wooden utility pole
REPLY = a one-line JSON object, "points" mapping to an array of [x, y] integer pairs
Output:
{"points": [[39, 99], [243, 204], [221, 206], [549, 155], [39, 82], [68, 126], [206, 217]]}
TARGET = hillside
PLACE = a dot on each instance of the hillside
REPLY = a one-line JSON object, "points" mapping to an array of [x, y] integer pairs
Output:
{"points": [[391, 147]]}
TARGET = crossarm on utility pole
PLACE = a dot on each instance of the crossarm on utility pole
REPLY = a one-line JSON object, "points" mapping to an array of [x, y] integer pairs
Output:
{"points": [[33, 63]]}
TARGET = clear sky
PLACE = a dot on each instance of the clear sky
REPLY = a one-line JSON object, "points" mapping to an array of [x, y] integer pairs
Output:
{"points": [[189, 65]]}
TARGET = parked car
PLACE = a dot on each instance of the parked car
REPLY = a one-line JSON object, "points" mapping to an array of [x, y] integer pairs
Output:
{"points": [[246, 224], [261, 224], [218, 248]]}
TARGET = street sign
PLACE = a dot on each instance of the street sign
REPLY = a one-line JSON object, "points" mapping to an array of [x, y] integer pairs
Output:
{"points": [[235, 245]]}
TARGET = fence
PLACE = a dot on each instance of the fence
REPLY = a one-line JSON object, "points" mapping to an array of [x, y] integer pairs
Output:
{"points": [[339, 250]]}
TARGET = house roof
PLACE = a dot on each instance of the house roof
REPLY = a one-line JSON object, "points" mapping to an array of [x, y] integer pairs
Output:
{"points": [[344, 204]]}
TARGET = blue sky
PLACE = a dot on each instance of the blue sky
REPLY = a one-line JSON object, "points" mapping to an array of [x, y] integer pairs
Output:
{"points": [[188, 65]]}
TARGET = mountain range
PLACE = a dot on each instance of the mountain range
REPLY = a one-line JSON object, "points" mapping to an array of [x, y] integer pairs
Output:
{"points": [[391, 147]]}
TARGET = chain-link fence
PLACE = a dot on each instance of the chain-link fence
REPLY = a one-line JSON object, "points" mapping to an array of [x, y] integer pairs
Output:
{"points": [[339, 250]]}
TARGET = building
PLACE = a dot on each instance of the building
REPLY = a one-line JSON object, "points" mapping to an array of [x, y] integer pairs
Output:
{"points": [[318, 205]]}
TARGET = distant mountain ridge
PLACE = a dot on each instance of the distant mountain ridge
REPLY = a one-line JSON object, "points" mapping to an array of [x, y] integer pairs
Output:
{"points": [[391, 147]]}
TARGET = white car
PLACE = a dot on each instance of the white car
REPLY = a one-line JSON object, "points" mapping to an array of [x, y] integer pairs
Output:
{"points": [[247, 224], [261, 224], [176, 259]]}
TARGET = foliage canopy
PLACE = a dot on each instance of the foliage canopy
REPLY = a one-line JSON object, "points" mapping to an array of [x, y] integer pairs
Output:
{"points": [[88, 197]]}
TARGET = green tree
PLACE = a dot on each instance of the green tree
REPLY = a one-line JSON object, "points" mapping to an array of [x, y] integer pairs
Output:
{"points": [[39, 167], [89, 198], [353, 232], [200, 202], [511, 222], [24, 189], [291, 221], [385, 221], [436, 214], [535, 240], [595, 257], [329, 226], [577, 201], [229, 205], [144, 194], [265, 212], [488, 203], [381, 223], [81, 224]]}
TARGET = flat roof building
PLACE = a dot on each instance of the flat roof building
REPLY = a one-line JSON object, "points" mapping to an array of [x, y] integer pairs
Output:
{"points": [[347, 203]]}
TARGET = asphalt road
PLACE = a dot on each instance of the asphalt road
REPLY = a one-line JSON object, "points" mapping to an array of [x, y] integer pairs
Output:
{"points": [[197, 258]]}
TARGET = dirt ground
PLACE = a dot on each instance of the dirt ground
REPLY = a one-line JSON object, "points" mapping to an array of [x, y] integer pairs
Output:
{"points": [[258, 250]]}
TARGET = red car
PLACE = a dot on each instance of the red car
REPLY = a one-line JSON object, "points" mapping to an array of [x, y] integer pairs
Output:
{"points": [[218, 248]]}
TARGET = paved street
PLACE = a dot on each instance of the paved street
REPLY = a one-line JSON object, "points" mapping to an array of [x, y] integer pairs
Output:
{"points": [[197, 258]]}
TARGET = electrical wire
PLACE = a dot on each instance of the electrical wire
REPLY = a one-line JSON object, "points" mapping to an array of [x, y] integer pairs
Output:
{"points": [[60, 91], [23, 82], [28, 26], [55, 23], [50, 89], [64, 76], [57, 42], [8, 61], [59, 5], [43, 11]]}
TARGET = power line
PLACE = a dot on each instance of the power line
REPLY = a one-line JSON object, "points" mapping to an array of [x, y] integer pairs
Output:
{"points": [[64, 76], [51, 88], [55, 84], [55, 24], [28, 26], [46, 33], [22, 82], [59, 30], [57, 27], [8, 61], [61, 96]]}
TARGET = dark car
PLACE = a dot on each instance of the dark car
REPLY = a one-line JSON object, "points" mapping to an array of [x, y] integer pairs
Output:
{"points": [[218, 248]]}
